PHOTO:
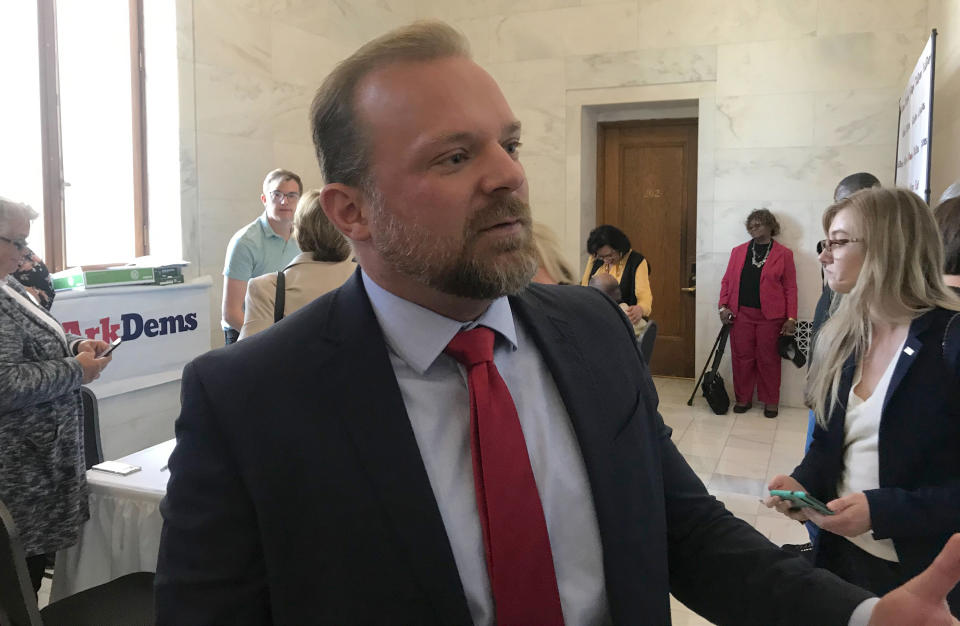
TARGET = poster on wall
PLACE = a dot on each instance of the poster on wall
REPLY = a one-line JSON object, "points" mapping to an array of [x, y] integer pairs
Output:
{"points": [[163, 328], [916, 125]]}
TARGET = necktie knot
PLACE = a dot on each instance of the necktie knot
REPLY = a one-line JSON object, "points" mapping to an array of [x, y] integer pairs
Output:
{"points": [[471, 347]]}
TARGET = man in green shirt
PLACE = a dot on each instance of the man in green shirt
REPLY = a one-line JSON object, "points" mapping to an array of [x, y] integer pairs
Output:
{"points": [[260, 247]]}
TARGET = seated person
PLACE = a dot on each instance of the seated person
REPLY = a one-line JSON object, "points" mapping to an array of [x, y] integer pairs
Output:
{"points": [[611, 253], [609, 285]]}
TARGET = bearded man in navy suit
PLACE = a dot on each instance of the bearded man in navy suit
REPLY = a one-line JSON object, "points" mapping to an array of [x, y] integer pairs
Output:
{"points": [[324, 472]]}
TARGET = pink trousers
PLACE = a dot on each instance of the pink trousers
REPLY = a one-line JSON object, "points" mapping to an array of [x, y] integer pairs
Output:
{"points": [[755, 360]]}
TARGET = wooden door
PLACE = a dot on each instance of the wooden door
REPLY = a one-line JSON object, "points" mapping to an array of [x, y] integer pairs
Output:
{"points": [[647, 187]]}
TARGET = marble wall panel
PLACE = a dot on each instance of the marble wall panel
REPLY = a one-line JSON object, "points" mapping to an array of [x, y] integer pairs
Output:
{"points": [[865, 116], [853, 61], [563, 32], [300, 158], [291, 111], [301, 57], [189, 201], [231, 37], [535, 92], [234, 103], [675, 23], [642, 67], [791, 174], [858, 16], [184, 10], [349, 22], [481, 32], [466, 9], [944, 15], [231, 168], [765, 121], [545, 176], [186, 94]]}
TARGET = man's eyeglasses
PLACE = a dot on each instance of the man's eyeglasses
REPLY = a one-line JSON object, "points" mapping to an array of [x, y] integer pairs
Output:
{"points": [[291, 196], [19, 244], [829, 245]]}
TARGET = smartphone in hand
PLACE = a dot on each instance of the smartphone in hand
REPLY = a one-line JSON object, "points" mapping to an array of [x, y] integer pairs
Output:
{"points": [[801, 499], [113, 346]]}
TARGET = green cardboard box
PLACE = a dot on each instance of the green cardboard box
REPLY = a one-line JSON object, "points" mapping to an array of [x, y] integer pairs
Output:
{"points": [[78, 277]]}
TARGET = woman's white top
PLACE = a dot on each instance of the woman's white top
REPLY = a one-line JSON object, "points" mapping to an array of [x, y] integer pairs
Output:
{"points": [[861, 467], [35, 310]]}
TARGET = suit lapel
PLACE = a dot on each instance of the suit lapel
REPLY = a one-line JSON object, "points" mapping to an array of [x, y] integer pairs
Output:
{"points": [[906, 357], [616, 491], [368, 397]]}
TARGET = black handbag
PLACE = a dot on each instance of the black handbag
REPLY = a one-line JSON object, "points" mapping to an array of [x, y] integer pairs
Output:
{"points": [[713, 388]]}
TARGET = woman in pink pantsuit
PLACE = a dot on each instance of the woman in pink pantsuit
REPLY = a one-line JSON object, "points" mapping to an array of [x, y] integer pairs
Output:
{"points": [[758, 295]]}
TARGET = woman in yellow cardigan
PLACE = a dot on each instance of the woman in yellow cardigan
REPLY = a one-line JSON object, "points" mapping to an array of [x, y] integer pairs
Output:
{"points": [[611, 253]]}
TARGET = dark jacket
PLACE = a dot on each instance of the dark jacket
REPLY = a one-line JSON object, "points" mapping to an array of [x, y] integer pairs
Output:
{"points": [[918, 502], [298, 494]]}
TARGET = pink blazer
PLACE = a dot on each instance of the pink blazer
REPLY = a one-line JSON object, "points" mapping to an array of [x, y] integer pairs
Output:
{"points": [[778, 282]]}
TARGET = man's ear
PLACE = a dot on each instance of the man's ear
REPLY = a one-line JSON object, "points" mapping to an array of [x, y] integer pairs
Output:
{"points": [[346, 207]]}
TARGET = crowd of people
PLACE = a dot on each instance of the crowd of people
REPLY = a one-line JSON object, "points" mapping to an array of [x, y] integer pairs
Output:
{"points": [[431, 427]]}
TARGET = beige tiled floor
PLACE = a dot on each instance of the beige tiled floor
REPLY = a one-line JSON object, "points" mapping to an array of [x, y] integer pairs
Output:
{"points": [[734, 455]]}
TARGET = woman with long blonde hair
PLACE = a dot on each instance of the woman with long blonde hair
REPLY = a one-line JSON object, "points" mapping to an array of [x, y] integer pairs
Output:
{"points": [[884, 387]]}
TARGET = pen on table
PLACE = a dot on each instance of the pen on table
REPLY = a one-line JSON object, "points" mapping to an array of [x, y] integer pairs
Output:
{"points": [[163, 469]]}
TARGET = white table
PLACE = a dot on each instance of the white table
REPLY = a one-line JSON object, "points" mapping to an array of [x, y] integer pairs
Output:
{"points": [[123, 533]]}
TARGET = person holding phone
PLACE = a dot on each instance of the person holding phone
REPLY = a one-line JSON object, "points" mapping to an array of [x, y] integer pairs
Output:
{"points": [[42, 478], [883, 385]]}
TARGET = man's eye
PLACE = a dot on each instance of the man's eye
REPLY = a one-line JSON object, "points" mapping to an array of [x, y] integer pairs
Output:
{"points": [[513, 147], [457, 159]]}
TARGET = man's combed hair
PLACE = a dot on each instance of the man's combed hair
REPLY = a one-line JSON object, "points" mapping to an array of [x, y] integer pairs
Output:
{"points": [[280, 176], [948, 220], [853, 183], [338, 136]]}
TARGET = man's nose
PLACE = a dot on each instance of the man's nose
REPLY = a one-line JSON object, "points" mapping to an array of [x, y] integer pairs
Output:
{"points": [[504, 172]]}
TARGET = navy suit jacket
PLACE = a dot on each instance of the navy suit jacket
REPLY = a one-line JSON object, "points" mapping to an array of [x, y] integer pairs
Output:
{"points": [[918, 502], [298, 494]]}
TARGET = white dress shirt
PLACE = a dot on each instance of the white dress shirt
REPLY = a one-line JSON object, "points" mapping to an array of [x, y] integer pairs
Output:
{"points": [[435, 394], [436, 397]]}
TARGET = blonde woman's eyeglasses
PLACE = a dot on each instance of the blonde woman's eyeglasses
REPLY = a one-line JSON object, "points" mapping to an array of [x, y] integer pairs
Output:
{"points": [[829, 245]]}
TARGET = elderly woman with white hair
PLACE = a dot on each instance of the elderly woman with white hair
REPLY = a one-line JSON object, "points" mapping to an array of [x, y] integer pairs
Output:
{"points": [[42, 478]]}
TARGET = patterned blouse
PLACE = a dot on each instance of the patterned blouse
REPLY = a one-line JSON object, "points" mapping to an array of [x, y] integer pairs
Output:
{"points": [[35, 277]]}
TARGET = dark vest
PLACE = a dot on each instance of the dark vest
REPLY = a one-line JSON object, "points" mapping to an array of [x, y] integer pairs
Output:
{"points": [[628, 280]]}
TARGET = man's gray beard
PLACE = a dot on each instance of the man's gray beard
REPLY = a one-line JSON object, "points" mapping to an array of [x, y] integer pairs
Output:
{"points": [[411, 250]]}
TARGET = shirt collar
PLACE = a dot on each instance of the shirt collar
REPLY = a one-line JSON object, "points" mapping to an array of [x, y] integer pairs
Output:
{"points": [[266, 227], [418, 335]]}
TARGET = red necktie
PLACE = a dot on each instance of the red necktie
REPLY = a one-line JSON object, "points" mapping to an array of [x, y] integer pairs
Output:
{"points": [[519, 561]]}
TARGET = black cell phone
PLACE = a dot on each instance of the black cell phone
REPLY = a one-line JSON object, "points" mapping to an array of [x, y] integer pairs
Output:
{"points": [[113, 346]]}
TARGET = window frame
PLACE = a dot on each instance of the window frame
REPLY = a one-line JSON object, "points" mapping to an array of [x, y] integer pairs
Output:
{"points": [[54, 216]]}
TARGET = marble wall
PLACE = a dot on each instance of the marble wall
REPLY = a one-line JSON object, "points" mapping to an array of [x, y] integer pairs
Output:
{"points": [[791, 96], [944, 15]]}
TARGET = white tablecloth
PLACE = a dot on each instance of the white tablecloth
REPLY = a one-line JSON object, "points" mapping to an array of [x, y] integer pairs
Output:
{"points": [[123, 533]]}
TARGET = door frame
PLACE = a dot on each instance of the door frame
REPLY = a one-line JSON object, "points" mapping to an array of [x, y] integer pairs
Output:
{"points": [[585, 107]]}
